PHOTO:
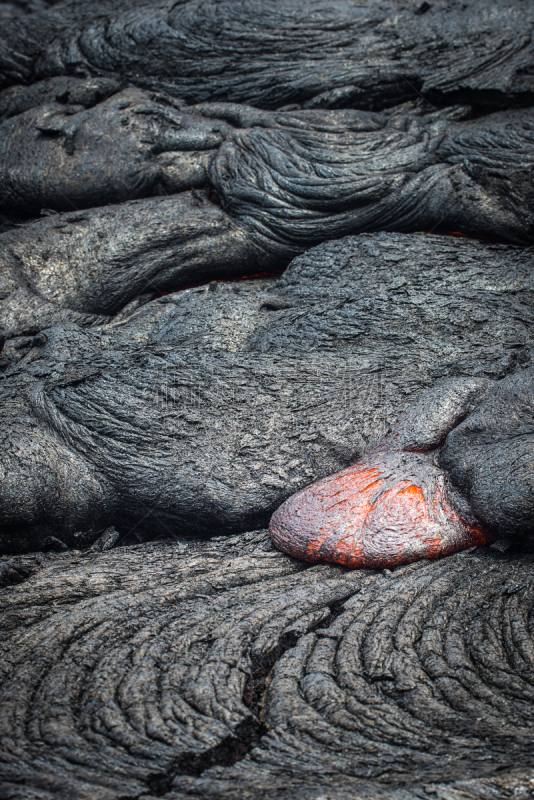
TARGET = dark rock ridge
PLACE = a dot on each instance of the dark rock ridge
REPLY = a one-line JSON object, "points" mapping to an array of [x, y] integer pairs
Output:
{"points": [[303, 180], [84, 266], [300, 175], [65, 156], [397, 505], [269, 54], [9, 11], [248, 189], [206, 409], [224, 670]]}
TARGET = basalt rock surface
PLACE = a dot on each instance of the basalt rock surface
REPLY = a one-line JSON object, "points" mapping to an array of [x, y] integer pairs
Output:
{"points": [[248, 190], [304, 175], [85, 266], [226, 670], [273, 53], [9, 11], [152, 144], [306, 179], [70, 155], [207, 408]]}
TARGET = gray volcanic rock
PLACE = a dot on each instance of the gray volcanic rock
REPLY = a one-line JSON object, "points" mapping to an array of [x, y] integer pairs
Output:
{"points": [[64, 156], [84, 266], [223, 669], [301, 181], [204, 410], [9, 11], [65, 90], [284, 181], [299, 176], [273, 53], [490, 455]]}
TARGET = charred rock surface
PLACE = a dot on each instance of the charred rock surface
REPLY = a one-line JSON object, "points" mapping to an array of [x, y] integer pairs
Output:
{"points": [[261, 187], [367, 54], [224, 669], [206, 409]]}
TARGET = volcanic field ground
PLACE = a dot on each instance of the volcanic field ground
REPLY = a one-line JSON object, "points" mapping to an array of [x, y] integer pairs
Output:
{"points": [[266, 257]]}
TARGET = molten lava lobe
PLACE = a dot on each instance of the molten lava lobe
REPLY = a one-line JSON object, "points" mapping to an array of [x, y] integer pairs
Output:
{"points": [[206, 409], [388, 509]]}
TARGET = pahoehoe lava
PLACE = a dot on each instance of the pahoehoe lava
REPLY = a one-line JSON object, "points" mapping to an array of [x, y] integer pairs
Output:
{"points": [[125, 674], [208, 408], [244, 190], [266, 538], [396, 505], [368, 54]]}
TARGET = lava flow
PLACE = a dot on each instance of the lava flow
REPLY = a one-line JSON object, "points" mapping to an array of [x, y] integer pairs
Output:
{"points": [[389, 509]]}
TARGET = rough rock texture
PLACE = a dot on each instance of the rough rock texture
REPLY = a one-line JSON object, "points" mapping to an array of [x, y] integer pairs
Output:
{"points": [[65, 156], [278, 52], [284, 181], [302, 175], [226, 670], [206, 409], [396, 505], [497, 439], [305, 181], [18, 7], [67, 91], [85, 266], [222, 668]]}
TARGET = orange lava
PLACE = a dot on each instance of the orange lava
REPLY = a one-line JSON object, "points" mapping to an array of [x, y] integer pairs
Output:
{"points": [[460, 233], [389, 511]]}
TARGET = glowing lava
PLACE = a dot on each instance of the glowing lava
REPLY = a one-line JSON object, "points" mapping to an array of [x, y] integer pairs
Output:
{"points": [[389, 509]]}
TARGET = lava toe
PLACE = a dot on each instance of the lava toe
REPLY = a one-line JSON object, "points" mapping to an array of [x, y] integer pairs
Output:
{"points": [[390, 509]]}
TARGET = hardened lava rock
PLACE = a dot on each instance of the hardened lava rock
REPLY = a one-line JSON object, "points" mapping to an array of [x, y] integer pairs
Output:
{"points": [[243, 190], [225, 669], [9, 11], [70, 155], [369, 54], [210, 407]]}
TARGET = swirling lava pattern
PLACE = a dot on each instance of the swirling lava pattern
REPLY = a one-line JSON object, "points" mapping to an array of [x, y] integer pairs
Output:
{"points": [[224, 669]]}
